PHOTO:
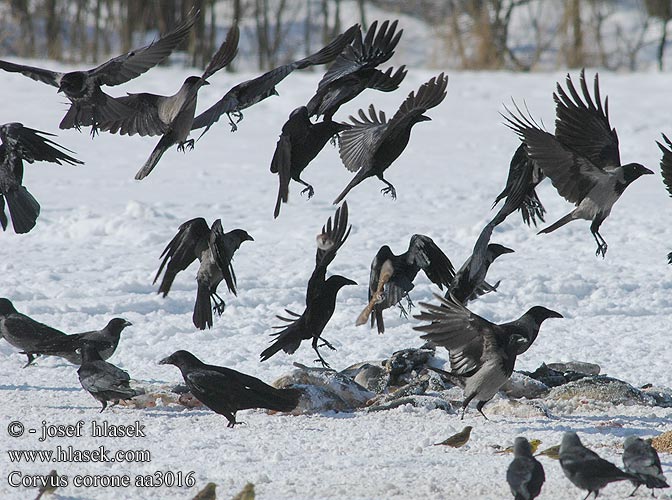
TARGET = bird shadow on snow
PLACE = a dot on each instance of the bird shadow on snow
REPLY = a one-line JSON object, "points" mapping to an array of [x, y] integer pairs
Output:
{"points": [[631, 424], [38, 388]]}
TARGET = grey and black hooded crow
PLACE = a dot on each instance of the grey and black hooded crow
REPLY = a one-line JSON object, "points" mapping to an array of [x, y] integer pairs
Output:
{"points": [[320, 294], [641, 460], [226, 391], [90, 104], [525, 474], [469, 284], [482, 354], [21, 144], [374, 143], [582, 158], [214, 249], [391, 277]]}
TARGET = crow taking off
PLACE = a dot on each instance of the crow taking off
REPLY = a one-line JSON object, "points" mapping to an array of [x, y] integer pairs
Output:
{"points": [[251, 92], [391, 277], [582, 158], [169, 116], [90, 104], [482, 353], [226, 391], [21, 144], [320, 294], [354, 70], [469, 284], [214, 249], [525, 474], [300, 142], [641, 460], [374, 143], [666, 171]]}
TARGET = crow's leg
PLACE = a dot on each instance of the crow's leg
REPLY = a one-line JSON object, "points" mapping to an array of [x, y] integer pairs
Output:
{"points": [[219, 303], [186, 144], [389, 189], [320, 359], [465, 404], [238, 116], [309, 189], [479, 407], [601, 244]]}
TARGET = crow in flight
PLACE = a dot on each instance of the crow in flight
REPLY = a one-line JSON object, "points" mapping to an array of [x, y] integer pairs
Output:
{"points": [[214, 249], [482, 353], [354, 70], [642, 460], [391, 277], [373, 143], [21, 144], [300, 142], [320, 294], [226, 391], [666, 171], [467, 285], [89, 103], [525, 474], [582, 158], [251, 92], [169, 116]]}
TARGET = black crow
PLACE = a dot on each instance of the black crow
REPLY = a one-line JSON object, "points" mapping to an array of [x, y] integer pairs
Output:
{"points": [[89, 103], [391, 277], [105, 341], [525, 474], [354, 70], [585, 469], [320, 294], [250, 92], [481, 352], [582, 158], [226, 391], [214, 249], [641, 460], [169, 116], [300, 142], [470, 284], [666, 171], [21, 144], [23, 332], [103, 380], [373, 143]]}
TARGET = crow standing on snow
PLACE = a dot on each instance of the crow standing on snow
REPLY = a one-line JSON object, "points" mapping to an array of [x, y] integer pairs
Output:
{"points": [[103, 380], [482, 353], [21, 144], [525, 474], [251, 92], [89, 103], [169, 116], [585, 469], [226, 391], [354, 70], [214, 249], [300, 142], [373, 143], [470, 284], [582, 158], [391, 277], [642, 460], [666, 171], [320, 294]]}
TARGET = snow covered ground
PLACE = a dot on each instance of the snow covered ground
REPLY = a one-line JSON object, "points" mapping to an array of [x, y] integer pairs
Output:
{"points": [[96, 247]]}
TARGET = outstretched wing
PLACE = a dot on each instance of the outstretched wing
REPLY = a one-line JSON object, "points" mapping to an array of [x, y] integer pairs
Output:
{"points": [[49, 77], [358, 144], [143, 118], [30, 145], [424, 253], [223, 254], [387, 81], [429, 95], [666, 163]]}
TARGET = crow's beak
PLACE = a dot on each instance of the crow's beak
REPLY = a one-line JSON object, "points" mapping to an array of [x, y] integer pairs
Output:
{"points": [[127, 323], [350, 282], [166, 361], [507, 250], [554, 314], [205, 82], [647, 171], [249, 238]]}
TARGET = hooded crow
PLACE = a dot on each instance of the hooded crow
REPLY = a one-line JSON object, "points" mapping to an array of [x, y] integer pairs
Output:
{"points": [[103, 380], [525, 474], [89, 103], [226, 391], [320, 294], [642, 460], [468, 285], [582, 158], [666, 171], [21, 144], [214, 249], [300, 142], [250, 92], [391, 277], [585, 469], [481, 352], [169, 116], [374, 143], [354, 70]]}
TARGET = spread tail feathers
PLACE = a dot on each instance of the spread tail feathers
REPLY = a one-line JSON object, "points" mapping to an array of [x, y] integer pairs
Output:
{"points": [[202, 310], [23, 208], [567, 218]]}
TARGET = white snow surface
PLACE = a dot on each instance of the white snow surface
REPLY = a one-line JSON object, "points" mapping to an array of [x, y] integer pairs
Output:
{"points": [[96, 246]]}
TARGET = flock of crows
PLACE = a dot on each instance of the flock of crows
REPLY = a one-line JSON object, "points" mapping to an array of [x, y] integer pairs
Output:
{"points": [[581, 158]]}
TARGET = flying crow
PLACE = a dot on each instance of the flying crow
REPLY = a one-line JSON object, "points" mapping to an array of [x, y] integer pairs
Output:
{"points": [[469, 284], [226, 391], [525, 474], [391, 277], [320, 294], [481, 352], [214, 249], [582, 158], [666, 171], [642, 460], [89, 103], [21, 144], [374, 143]]}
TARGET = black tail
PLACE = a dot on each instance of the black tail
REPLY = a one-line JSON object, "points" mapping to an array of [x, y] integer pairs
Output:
{"points": [[154, 158], [166, 282], [202, 309], [331, 51], [3, 216], [355, 180], [23, 208], [567, 218]]}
